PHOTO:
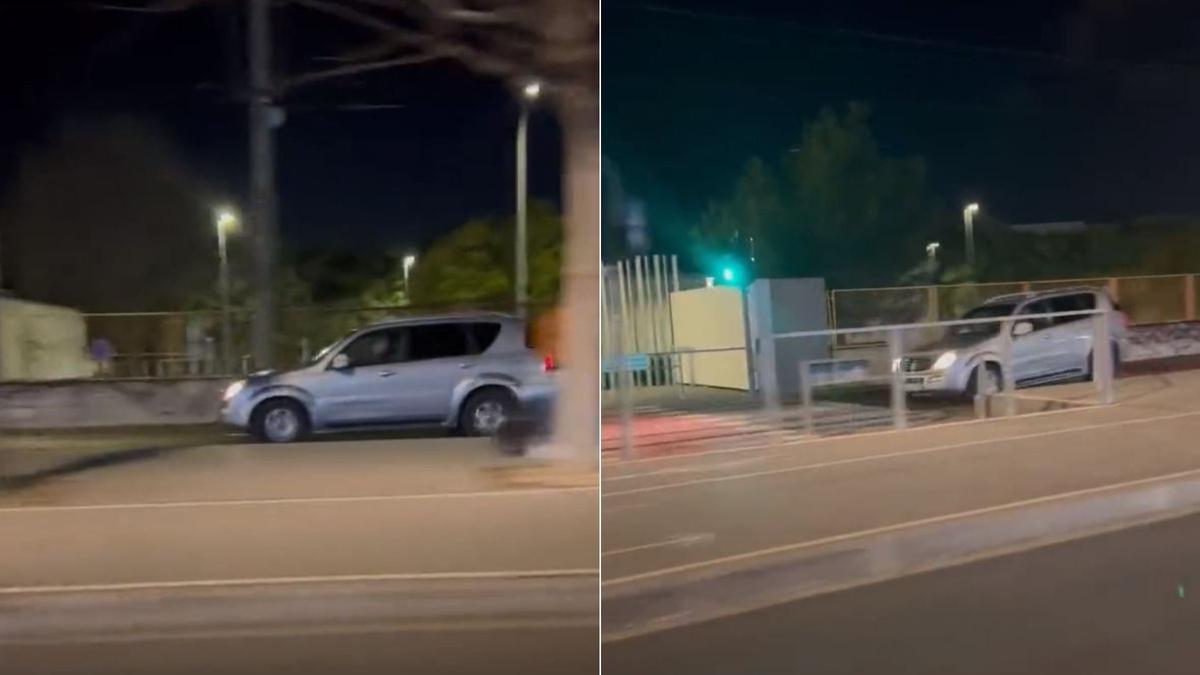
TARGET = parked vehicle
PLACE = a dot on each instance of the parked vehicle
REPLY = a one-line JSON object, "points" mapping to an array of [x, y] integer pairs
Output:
{"points": [[968, 358], [470, 372]]}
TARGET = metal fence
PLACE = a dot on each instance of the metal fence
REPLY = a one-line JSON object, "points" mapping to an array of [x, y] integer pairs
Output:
{"points": [[1144, 299], [189, 344]]}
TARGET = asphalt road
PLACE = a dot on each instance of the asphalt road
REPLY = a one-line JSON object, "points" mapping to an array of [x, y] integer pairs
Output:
{"points": [[425, 556], [495, 649], [1126, 602], [666, 513]]}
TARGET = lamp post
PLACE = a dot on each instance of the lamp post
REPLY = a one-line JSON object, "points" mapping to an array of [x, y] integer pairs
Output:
{"points": [[529, 94], [931, 250], [409, 261], [226, 222], [969, 224]]}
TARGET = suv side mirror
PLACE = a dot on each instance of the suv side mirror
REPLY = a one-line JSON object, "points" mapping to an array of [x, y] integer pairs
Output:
{"points": [[1022, 328], [340, 362]]}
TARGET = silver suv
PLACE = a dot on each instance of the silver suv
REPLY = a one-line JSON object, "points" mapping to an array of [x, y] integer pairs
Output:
{"points": [[967, 359], [470, 372]]}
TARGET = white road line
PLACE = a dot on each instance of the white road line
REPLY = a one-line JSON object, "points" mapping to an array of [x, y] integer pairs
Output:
{"points": [[293, 500], [283, 581], [890, 455], [464, 626], [681, 540], [844, 437], [750, 555]]}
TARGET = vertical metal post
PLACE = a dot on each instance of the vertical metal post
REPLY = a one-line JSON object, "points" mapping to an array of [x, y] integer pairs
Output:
{"points": [[660, 341], [262, 179], [1102, 366], [676, 360], [226, 316], [521, 276], [895, 341], [806, 397], [645, 330], [1189, 297], [1008, 376]]}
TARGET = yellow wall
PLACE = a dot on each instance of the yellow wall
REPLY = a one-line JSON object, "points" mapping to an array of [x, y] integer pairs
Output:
{"points": [[710, 318]]}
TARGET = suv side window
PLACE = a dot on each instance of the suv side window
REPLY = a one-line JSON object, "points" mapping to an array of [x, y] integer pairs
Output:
{"points": [[1078, 302], [1037, 307], [438, 341], [377, 347], [482, 335]]}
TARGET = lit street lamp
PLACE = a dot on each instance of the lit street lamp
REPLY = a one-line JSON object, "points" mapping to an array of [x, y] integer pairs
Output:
{"points": [[409, 261], [969, 223], [931, 250], [529, 94], [226, 223]]}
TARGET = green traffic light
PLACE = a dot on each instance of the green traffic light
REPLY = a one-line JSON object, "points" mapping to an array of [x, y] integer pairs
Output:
{"points": [[727, 274]]}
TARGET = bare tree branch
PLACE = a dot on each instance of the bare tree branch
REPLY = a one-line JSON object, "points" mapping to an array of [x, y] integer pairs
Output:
{"points": [[361, 18], [352, 69]]}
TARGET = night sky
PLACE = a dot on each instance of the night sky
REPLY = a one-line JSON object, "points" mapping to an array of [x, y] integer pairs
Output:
{"points": [[393, 158], [1042, 111]]}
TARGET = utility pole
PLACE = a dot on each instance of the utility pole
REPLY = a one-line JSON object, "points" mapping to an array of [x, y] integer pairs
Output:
{"points": [[262, 179]]}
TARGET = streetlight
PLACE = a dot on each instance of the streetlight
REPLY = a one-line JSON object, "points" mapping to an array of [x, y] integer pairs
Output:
{"points": [[409, 261], [226, 223], [529, 94], [969, 222], [931, 250]]}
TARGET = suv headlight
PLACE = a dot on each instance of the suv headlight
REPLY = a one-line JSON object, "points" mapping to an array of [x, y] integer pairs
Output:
{"points": [[233, 389], [945, 360]]}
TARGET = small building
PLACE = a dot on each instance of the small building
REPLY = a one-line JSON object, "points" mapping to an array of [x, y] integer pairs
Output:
{"points": [[42, 342]]}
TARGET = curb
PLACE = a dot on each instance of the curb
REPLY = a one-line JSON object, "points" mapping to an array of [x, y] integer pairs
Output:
{"points": [[653, 602], [83, 616]]}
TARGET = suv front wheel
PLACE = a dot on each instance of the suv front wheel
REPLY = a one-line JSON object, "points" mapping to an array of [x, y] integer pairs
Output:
{"points": [[279, 420]]}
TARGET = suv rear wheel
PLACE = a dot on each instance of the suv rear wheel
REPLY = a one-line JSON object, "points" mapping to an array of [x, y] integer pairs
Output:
{"points": [[486, 411]]}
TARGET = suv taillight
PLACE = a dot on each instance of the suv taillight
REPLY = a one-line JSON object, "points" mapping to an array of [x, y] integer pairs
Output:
{"points": [[548, 363]]}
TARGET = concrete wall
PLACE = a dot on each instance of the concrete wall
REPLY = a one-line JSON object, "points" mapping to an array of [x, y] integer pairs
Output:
{"points": [[100, 403], [42, 342], [710, 318]]}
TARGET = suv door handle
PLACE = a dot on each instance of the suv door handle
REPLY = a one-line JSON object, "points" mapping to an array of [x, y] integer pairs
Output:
{"points": [[386, 373]]}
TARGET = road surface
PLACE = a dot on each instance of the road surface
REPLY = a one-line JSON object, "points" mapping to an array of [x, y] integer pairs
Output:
{"points": [[492, 649], [673, 512], [432, 555], [1125, 602]]}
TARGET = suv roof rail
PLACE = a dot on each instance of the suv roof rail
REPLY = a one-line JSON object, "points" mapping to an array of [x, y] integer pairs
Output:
{"points": [[1049, 291], [435, 316]]}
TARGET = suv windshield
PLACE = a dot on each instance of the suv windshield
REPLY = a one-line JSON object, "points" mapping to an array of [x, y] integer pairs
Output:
{"points": [[983, 312]]}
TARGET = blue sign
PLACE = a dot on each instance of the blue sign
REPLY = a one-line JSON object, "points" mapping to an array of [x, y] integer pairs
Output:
{"points": [[631, 362]]}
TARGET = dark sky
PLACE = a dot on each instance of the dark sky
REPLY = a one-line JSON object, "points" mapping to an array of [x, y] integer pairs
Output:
{"points": [[1040, 110], [350, 174]]}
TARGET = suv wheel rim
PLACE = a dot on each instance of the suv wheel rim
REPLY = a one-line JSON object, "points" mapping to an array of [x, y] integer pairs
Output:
{"points": [[281, 424], [489, 416]]}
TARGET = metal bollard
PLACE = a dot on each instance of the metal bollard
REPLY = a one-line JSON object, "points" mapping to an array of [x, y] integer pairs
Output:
{"points": [[899, 401], [1102, 365]]}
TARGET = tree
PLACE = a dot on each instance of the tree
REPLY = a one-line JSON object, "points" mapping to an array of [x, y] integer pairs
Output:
{"points": [[106, 218], [834, 207], [474, 263]]}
